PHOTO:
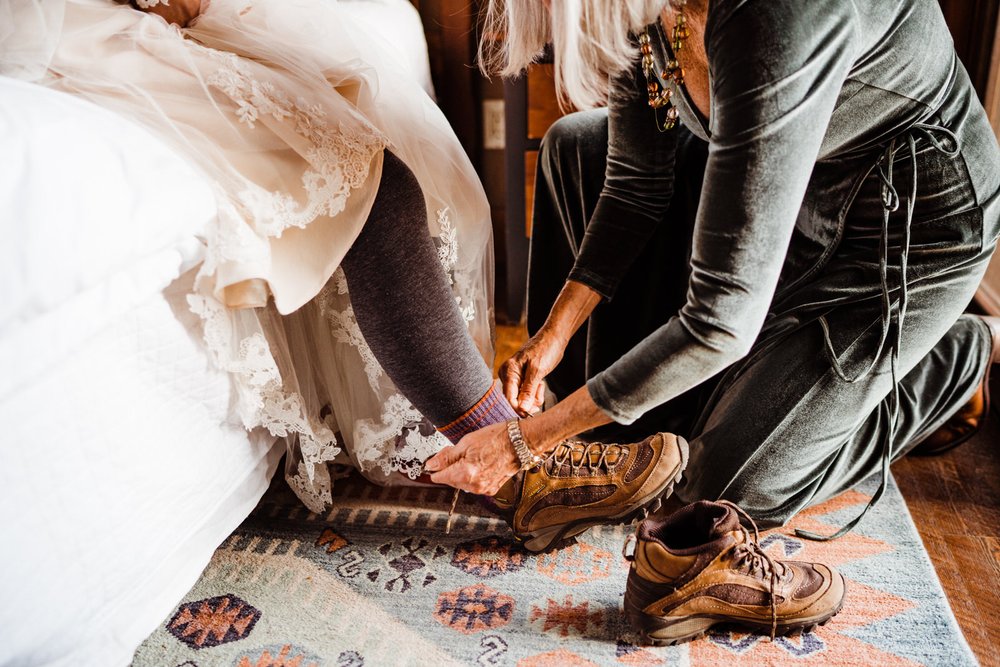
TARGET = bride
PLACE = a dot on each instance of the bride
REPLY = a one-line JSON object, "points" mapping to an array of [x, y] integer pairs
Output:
{"points": [[347, 287], [306, 129]]}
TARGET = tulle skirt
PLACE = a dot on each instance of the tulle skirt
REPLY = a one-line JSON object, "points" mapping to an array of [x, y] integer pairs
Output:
{"points": [[287, 106]]}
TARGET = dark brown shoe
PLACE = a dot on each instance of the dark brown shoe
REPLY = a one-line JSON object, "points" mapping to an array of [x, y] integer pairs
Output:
{"points": [[588, 484], [969, 420], [700, 567]]}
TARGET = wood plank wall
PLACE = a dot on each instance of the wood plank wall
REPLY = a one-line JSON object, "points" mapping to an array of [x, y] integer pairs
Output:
{"points": [[975, 25], [450, 27]]}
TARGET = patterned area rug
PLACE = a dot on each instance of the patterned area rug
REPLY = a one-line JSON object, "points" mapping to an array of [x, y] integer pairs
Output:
{"points": [[378, 582]]}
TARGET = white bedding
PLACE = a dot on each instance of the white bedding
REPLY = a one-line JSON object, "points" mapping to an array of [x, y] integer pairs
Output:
{"points": [[120, 466], [120, 477], [96, 216]]}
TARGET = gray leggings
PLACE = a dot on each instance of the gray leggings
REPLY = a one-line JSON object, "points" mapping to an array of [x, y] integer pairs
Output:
{"points": [[404, 307]]}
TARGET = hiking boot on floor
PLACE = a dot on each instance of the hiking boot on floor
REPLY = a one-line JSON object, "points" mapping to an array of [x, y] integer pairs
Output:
{"points": [[970, 418], [584, 484], [699, 567]]}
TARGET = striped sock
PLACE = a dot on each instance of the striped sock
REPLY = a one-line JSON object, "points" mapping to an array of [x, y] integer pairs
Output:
{"points": [[492, 408]]}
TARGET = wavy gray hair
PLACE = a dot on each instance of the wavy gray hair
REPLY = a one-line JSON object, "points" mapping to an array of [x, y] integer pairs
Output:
{"points": [[590, 41]]}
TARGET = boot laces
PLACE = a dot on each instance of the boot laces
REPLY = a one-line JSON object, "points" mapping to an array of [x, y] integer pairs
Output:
{"points": [[757, 562], [451, 511], [563, 455]]}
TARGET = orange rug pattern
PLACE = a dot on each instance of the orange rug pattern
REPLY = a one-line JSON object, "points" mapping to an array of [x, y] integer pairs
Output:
{"points": [[377, 582]]}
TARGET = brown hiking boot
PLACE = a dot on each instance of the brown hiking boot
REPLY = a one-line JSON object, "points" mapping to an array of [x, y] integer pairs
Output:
{"points": [[700, 567], [584, 484]]}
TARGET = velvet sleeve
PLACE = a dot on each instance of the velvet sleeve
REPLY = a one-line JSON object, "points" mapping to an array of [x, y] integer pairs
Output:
{"points": [[777, 68], [637, 189]]}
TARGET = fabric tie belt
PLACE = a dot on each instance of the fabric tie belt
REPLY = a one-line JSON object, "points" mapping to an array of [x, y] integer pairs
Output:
{"points": [[890, 204]]}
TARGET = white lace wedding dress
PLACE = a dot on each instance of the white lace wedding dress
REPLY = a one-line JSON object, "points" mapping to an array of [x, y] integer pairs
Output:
{"points": [[287, 106]]}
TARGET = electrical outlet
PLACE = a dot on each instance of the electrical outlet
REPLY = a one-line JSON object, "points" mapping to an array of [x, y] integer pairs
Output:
{"points": [[494, 129]]}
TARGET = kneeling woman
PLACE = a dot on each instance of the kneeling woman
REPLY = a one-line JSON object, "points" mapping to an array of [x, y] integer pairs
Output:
{"points": [[782, 276]]}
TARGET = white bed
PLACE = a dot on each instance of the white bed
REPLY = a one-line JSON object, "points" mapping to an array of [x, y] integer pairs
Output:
{"points": [[121, 466]]}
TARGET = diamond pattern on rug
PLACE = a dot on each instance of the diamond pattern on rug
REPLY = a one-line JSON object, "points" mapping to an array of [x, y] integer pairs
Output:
{"points": [[378, 581], [566, 617], [576, 564], [215, 621], [474, 608], [405, 564], [488, 557]]}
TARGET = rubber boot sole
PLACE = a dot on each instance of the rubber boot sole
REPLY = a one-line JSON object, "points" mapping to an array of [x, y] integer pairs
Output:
{"points": [[660, 631]]}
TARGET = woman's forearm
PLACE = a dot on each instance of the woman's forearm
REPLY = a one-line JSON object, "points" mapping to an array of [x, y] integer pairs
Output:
{"points": [[524, 373], [573, 306], [573, 415]]}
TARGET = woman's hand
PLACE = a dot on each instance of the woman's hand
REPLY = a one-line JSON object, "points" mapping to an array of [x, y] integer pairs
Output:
{"points": [[179, 12], [483, 460], [523, 374], [480, 463]]}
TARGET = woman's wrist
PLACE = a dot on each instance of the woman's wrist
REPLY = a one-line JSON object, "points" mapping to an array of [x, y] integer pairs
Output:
{"points": [[571, 416], [526, 456], [573, 306]]}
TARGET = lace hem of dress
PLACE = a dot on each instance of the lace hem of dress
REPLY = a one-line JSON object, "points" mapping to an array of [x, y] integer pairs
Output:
{"points": [[263, 401], [398, 440], [339, 160]]}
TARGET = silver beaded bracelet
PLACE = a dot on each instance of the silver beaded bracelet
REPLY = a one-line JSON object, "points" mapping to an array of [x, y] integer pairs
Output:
{"points": [[527, 458]]}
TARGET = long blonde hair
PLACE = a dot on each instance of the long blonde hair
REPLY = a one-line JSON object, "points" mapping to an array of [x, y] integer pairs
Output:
{"points": [[590, 41]]}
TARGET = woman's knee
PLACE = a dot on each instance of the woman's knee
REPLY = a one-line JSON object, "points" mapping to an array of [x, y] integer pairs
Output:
{"points": [[398, 217], [581, 132], [399, 212], [771, 494]]}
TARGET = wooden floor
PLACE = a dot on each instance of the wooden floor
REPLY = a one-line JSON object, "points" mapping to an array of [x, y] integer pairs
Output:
{"points": [[955, 502]]}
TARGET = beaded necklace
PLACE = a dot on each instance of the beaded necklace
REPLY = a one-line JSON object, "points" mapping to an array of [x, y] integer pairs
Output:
{"points": [[656, 77]]}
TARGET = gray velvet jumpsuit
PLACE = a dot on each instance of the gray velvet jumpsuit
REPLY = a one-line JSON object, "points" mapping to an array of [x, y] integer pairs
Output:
{"points": [[792, 300]]}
